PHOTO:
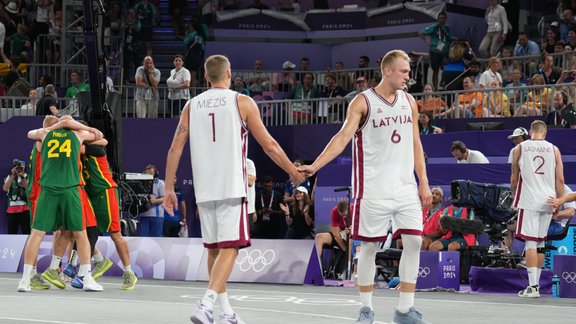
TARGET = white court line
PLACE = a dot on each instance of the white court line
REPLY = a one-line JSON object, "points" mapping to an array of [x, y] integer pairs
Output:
{"points": [[172, 303], [428, 299], [36, 320]]}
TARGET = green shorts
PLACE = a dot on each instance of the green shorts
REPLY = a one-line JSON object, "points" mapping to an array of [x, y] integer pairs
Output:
{"points": [[59, 208]]}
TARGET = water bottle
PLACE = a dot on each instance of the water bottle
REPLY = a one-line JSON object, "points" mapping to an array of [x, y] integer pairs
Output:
{"points": [[555, 286]]}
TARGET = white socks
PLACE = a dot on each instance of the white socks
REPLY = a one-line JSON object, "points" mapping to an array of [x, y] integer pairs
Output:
{"points": [[224, 304], [209, 299], [127, 268], [27, 272], [405, 302], [55, 263], [84, 270], [532, 276], [366, 299], [98, 257]]}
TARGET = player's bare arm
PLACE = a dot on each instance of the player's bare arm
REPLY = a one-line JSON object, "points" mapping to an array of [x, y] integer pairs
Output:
{"points": [[250, 113], [38, 134], [357, 113], [173, 160], [559, 173], [419, 162], [515, 169]]}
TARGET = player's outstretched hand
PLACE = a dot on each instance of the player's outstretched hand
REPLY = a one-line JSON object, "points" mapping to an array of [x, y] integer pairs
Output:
{"points": [[170, 202], [425, 196], [297, 177], [554, 202], [308, 170]]}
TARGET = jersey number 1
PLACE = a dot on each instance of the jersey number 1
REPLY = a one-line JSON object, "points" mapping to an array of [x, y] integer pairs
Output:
{"points": [[213, 127]]}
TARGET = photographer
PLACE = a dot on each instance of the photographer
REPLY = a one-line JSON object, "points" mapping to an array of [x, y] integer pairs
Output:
{"points": [[152, 220], [15, 184]]}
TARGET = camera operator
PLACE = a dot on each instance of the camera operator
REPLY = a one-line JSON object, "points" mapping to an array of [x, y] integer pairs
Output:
{"points": [[18, 215], [152, 220]]}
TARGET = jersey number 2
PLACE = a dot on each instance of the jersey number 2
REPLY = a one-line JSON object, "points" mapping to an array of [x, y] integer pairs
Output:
{"points": [[541, 159], [56, 148]]}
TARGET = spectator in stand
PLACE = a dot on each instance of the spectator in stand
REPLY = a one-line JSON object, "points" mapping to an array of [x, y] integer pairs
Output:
{"points": [[425, 124], [29, 108], [528, 51], [53, 43], [146, 15], [44, 12], [361, 85], [147, 79], [76, 87], [452, 240], [20, 43], [2, 40], [495, 101], [497, 29], [459, 55], [572, 38], [568, 22], [335, 106], [519, 135], [508, 64], [550, 73], [284, 81], [550, 41], [176, 9], [178, 86], [466, 155], [342, 77], [435, 105], [270, 217], [257, 4], [208, 10], [131, 28], [562, 108], [194, 44], [469, 103], [10, 25], [516, 91], [491, 74], [258, 80], [475, 71], [289, 186], [364, 68], [48, 105], [240, 86], [538, 101], [299, 216], [304, 67], [438, 37], [42, 82], [303, 111]]}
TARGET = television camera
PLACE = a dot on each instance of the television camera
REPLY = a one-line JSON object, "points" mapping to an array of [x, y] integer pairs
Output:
{"points": [[493, 210], [135, 188]]}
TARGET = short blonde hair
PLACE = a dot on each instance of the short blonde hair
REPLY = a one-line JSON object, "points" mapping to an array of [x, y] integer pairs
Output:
{"points": [[392, 56], [49, 120], [538, 126], [216, 67]]}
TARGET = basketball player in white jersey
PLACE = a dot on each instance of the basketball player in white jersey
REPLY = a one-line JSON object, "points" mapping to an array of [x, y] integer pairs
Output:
{"points": [[217, 123], [383, 122], [537, 174]]}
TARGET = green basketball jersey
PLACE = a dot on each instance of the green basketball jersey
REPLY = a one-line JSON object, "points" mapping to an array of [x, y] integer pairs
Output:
{"points": [[61, 165]]}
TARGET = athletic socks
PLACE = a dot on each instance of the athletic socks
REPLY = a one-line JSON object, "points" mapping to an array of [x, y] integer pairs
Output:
{"points": [[55, 263], [209, 299], [224, 304], [74, 258], [98, 257], [127, 268], [27, 272], [366, 299], [405, 302], [84, 270], [538, 273], [533, 276], [34, 272]]}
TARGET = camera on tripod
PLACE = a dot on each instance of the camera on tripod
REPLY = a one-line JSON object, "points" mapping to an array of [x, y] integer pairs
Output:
{"points": [[135, 189], [492, 204]]}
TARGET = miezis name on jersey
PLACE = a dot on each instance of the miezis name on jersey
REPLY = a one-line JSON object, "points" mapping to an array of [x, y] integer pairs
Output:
{"points": [[211, 103]]}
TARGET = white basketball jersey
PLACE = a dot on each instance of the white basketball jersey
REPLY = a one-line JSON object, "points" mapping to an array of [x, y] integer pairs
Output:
{"points": [[218, 146], [537, 179], [383, 149]]}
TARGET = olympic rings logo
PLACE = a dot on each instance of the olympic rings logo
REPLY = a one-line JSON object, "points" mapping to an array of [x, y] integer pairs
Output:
{"points": [[423, 272], [255, 259], [569, 277]]}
